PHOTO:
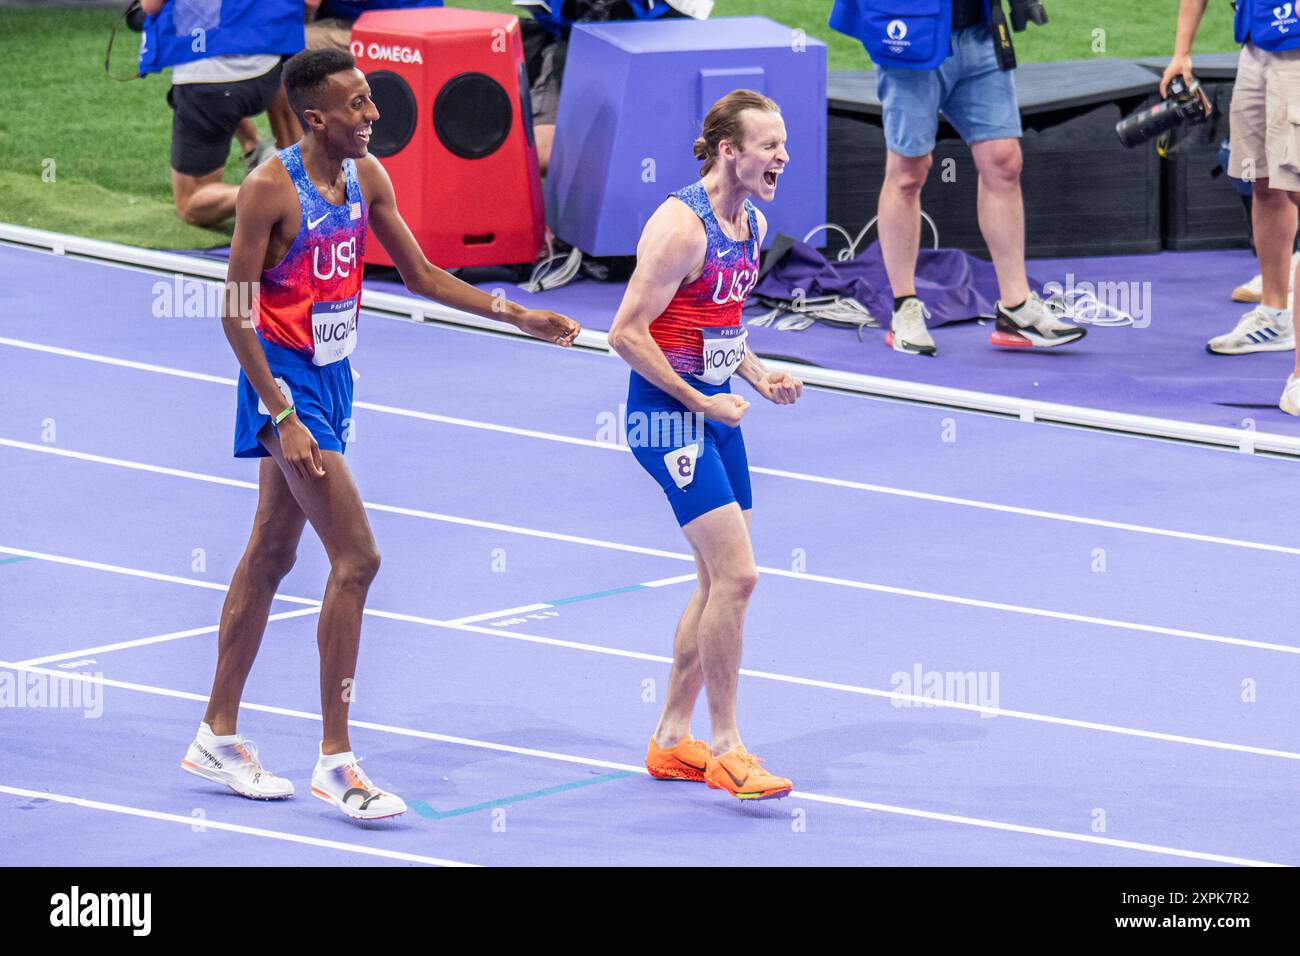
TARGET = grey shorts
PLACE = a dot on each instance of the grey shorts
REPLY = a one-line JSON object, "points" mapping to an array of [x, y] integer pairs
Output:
{"points": [[546, 88]]}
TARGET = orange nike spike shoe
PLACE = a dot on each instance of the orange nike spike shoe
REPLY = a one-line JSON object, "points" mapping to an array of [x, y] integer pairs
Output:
{"points": [[685, 760], [739, 773]]}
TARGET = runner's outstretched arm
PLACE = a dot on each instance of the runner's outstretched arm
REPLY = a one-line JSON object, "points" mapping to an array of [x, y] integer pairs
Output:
{"points": [[424, 278]]}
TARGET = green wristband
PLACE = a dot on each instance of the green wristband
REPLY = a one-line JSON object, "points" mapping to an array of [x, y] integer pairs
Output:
{"points": [[282, 416]]}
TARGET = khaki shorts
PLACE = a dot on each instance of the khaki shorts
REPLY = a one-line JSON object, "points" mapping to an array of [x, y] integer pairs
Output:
{"points": [[1265, 128], [329, 32]]}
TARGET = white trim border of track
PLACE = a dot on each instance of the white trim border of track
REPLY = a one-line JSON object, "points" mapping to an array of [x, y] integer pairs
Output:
{"points": [[499, 747], [418, 309], [208, 824]]}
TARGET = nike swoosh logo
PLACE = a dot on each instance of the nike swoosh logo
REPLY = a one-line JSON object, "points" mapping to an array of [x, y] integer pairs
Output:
{"points": [[687, 763], [313, 225], [738, 783]]}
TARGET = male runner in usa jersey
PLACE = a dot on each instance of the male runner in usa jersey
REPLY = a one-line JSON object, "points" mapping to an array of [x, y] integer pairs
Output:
{"points": [[300, 233], [680, 329]]}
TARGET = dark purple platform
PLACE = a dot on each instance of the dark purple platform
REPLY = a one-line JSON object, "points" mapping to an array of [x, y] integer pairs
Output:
{"points": [[1160, 368]]}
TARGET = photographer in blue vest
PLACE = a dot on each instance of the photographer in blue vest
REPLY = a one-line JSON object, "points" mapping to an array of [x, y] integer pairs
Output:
{"points": [[1265, 122], [225, 61], [932, 57]]}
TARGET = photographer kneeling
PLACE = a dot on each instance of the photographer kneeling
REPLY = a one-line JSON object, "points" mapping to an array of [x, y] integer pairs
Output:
{"points": [[950, 63], [225, 61], [1265, 121]]}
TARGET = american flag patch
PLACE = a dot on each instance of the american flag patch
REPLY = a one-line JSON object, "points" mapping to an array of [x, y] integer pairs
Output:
{"points": [[354, 210]]}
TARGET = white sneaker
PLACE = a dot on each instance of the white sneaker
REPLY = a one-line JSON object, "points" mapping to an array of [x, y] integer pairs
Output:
{"points": [[1290, 401], [1033, 325], [1259, 330], [1253, 291], [338, 779], [907, 331], [233, 761]]}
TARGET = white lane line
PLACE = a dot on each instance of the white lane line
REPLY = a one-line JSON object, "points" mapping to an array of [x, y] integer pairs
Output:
{"points": [[664, 582], [369, 505], [160, 638], [529, 608], [1028, 512], [209, 823], [613, 765], [1035, 831], [1033, 611], [678, 556], [119, 362], [490, 426], [914, 699], [756, 469], [504, 612]]}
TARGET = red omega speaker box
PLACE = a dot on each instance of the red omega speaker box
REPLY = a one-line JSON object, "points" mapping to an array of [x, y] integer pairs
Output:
{"points": [[455, 132]]}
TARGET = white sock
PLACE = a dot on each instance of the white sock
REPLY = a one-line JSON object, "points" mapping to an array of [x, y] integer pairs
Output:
{"points": [[1278, 315], [205, 731], [332, 761]]}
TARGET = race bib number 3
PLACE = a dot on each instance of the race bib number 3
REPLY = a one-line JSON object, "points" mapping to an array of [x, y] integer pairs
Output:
{"points": [[333, 330], [724, 350], [681, 464]]}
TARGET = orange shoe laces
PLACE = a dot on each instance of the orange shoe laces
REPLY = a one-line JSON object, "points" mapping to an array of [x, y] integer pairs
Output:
{"points": [[750, 760]]}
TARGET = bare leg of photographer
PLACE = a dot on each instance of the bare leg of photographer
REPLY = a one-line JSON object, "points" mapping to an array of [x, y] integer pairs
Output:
{"points": [[899, 225], [1289, 222], [1021, 321], [1273, 218], [283, 121], [246, 133], [1002, 214]]}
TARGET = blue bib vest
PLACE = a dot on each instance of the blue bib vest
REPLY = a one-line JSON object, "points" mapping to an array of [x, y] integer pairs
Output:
{"points": [[188, 30], [1268, 25], [912, 34]]}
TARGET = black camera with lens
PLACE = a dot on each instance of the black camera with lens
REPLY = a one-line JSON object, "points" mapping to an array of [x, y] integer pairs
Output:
{"points": [[134, 16], [1187, 103], [1023, 13]]}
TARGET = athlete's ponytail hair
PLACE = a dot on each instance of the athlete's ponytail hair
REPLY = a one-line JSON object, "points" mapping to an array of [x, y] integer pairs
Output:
{"points": [[724, 123]]}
